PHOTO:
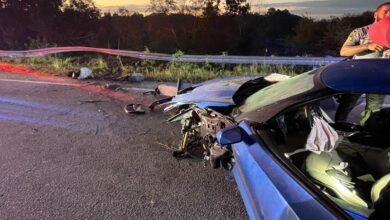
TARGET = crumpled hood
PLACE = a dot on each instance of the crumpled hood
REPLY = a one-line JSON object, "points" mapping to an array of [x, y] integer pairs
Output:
{"points": [[219, 91]]}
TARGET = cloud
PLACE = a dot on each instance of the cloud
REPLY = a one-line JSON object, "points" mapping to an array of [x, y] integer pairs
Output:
{"points": [[327, 8]]}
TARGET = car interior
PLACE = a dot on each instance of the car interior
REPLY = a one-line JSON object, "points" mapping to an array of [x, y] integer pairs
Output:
{"points": [[353, 170]]}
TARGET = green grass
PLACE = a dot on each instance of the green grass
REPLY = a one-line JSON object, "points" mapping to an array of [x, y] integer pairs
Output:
{"points": [[196, 73], [114, 67]]}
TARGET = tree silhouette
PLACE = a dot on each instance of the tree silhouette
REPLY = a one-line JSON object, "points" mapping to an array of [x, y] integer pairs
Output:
{"points": [[211, 8], [192, 26], [237, 7], [163, 6], [23, 20]]}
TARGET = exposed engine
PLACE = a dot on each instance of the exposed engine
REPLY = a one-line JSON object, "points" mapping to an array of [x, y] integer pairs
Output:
{"points": [[199, 129]]}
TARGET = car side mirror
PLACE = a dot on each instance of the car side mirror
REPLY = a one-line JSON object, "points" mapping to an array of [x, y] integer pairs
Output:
{"points": [[230, 135]]}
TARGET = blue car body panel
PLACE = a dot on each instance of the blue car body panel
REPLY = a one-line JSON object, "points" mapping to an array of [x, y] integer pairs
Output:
{"points": [[212, 104], [267, 190], [216, 92], [355, 215], [358, 76]]}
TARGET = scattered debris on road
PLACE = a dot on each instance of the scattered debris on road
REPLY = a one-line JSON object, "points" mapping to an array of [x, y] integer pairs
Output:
{"points": [[134, 109], [84, 73], [111, 86], [132, 77], [166, 90], [163, 90]]}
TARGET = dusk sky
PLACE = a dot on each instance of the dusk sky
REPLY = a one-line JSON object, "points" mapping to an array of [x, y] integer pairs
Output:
{"points": [[312, 8]]}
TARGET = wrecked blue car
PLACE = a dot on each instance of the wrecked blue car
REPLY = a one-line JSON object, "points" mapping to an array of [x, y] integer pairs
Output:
{"points": [[289, 158]]}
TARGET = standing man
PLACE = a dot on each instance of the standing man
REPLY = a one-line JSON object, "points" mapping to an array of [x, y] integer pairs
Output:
{"points": [[360, 46]]}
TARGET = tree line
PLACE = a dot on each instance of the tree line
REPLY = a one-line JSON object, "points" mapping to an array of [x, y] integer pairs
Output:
{"points": [[201, 27]]}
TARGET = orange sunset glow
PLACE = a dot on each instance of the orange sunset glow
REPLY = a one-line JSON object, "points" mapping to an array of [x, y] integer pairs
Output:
{"points": [[105, 3]]}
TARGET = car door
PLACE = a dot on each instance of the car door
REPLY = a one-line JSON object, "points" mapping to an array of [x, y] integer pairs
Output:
{"points": [[268, 189]]}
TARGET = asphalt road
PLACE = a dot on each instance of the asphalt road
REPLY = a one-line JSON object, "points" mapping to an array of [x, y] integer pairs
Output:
{"points": [[62, 157]]}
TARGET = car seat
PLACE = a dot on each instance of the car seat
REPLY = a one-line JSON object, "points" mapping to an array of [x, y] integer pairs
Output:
{"points": [[334, 176], [355, 180], [351, 172]]}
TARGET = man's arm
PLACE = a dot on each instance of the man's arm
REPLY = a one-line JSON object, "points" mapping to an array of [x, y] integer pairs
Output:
{"points": [[350, 50]]}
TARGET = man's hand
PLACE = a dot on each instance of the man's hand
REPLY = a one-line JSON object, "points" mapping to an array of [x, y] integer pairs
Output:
{"points": [[374, 47], [386, 53]]}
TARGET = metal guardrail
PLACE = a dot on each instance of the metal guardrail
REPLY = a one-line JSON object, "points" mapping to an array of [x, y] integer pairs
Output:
{"points": [[218, 59]]}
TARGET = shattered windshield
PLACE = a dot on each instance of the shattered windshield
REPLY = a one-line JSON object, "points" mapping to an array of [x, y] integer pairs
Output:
{"points": [[279, 91]]}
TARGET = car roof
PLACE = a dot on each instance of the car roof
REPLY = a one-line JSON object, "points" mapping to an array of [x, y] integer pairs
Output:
{"points": [[351, 76], [358, 76]]}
